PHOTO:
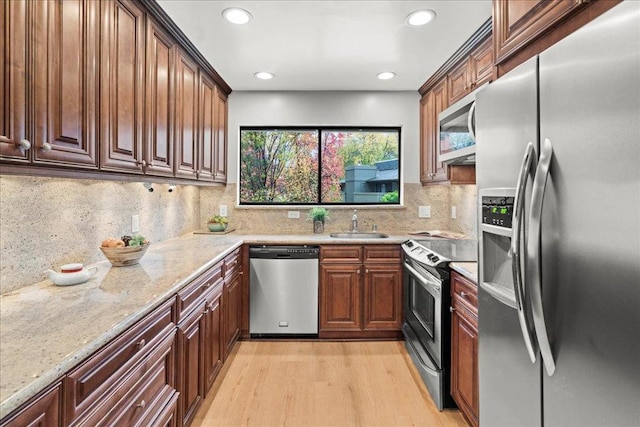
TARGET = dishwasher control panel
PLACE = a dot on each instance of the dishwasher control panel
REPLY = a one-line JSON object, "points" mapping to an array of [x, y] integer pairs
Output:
{"points": [[287, 251]]}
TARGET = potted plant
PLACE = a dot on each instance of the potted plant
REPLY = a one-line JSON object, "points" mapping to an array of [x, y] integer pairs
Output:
{"points": [[217, 223], [318, 215]]}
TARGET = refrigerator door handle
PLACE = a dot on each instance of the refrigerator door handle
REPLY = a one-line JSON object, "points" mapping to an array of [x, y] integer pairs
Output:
{"points": [[528, 165], [533, 251], [471, 119]]}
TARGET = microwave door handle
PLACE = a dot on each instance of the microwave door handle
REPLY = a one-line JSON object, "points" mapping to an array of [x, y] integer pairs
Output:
{"points": [[528, 164], [471, 120], [533, 259]]}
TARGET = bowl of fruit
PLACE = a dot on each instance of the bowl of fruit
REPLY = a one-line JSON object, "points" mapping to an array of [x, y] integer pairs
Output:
{"points": [[124, 251]]}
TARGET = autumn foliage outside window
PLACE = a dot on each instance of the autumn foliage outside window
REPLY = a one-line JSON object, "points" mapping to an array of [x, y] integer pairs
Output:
{"points": [[319, 166]]}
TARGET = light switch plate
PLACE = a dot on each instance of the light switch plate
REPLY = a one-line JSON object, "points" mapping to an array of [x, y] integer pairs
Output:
{"points": [[453, 212], [293, 214], [223, 210], [135, 223], [424, 211]]}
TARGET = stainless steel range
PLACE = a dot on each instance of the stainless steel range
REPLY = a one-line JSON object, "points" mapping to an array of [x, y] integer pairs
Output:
{"points": [[427, 322]]}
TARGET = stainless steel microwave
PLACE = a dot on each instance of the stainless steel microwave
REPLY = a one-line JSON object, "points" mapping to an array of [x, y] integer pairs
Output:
{"points": [[456, 131]]}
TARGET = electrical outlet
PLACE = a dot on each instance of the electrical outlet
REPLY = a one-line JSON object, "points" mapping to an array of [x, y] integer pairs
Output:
{"points": [[453, 212], [293, 214], [424, 211], [223, 210], [135, 223]]}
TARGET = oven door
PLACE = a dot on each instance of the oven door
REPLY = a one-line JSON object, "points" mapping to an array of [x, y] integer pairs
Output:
{"points": [[423, 309]]}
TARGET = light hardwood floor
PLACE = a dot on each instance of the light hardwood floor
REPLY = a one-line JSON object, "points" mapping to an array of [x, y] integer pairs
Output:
{"points": [[276, 383]]}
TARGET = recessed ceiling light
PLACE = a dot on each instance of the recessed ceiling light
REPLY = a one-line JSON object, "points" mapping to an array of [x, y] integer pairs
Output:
{"points": [[420, 17], [386, 75], [264, 75], [236, 15]]}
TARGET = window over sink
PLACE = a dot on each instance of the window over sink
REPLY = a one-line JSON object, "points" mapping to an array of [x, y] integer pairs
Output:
{"points": [[319, 165]]}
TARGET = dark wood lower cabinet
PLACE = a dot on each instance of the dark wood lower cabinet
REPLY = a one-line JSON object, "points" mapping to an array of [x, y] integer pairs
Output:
{"points": [[464, 346], [232, 312], [191, 338], [44, 411], [213, 354]]}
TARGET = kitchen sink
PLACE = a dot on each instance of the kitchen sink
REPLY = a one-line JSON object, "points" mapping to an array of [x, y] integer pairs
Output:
{"points": [[358, 235]]}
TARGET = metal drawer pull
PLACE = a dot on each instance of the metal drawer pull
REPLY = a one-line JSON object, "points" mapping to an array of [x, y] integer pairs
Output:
{"points": [[464, 294], [46, 147], [24, 144], [141, 343], [141, 405], [451, 309]]}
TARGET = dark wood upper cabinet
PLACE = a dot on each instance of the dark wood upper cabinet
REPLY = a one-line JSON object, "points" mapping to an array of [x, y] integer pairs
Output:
{"points": [[206, 162], [220, 126], [13, 82], [186, 142], [160, 99], [65, 78], [122, 86]]}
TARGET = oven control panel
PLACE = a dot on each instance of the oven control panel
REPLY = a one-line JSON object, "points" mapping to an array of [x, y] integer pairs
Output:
{"points": [[423, 255], [497, 211]]}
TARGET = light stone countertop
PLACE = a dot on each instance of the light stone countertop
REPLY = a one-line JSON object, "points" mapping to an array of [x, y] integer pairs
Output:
{"points": [[47, 330], [467, 269]]}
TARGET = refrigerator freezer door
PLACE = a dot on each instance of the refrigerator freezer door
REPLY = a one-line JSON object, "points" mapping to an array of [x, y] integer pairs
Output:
{"points": [[589, 109], [506, 121]]}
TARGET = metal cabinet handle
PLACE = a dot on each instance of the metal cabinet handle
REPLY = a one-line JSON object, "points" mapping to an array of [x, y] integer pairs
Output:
{"points": [[142, 163], [46, 147], [528, 164], [533, 251], [464, 294], [141, 343], [141, 405], [24, 144], [451, 309], [358, 271], [366, 270]]}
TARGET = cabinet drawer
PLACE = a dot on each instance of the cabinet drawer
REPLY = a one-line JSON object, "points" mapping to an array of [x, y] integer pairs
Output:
{"points": [[192, 294], [382, 254], [232, 264], [102, 373], [145, 390], [465, 291], [340, 253]]}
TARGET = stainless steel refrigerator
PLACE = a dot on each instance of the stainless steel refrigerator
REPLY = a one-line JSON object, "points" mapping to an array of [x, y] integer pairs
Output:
{"points": [[558, 175]]}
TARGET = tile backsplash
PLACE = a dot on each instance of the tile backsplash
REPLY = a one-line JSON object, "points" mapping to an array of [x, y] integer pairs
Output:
{"points": [[47, 222]]}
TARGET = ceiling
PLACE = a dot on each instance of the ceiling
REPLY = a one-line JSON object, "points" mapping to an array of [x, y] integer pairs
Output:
{"points": [[327, 45]]}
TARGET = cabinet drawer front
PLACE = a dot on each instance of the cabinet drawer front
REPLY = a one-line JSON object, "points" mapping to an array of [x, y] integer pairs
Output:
{"points": [[139, 391], [340, 253], [102, 372], [465, 291], [232, 264], [382, 254], [193, 294]]}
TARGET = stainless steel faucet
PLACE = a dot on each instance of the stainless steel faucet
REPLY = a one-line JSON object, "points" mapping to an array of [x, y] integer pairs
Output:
{"points": [[354, 221]]}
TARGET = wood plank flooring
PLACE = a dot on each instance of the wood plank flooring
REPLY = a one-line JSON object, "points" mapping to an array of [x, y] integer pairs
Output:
{"points": [[312, 383]]}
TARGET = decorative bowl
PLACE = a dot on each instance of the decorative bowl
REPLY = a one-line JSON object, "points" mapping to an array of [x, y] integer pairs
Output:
{"points": [[121, 257], [216, 226]]}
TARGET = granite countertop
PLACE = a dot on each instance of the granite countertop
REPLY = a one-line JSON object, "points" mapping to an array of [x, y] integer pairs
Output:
{"points": [[47, 330], [467, 269]]}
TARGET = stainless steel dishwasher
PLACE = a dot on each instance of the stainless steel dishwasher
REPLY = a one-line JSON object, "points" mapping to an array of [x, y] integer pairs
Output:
{"points": [[283, 290]]}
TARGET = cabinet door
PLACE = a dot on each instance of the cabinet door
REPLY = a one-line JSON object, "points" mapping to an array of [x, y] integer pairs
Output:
{"points": [[186, 141], [517, 23], [43, 412], [206, 166], [160, 84], [191, 365], [122, 89], [13, 81], [481, 64], [464, 363], [65, 83], [458, 82], [232, 302], [427, 113], [383, 297], [213, 354], [220, 172], [440, 104], [340, 297]]}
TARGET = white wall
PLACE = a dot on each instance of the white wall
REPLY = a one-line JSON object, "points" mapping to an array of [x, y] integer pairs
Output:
{"points": [[328, 109]]}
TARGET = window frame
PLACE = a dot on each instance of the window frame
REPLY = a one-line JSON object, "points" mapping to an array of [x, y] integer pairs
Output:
{"points": [[319, 129]]}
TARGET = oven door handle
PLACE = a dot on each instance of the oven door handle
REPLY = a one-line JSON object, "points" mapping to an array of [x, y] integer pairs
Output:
{"points": [[528, 165], [431, 287]]}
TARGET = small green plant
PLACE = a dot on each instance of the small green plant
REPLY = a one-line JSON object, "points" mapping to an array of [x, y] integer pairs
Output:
{"points": [[391, 197], [217, 219], [318, 214]]}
